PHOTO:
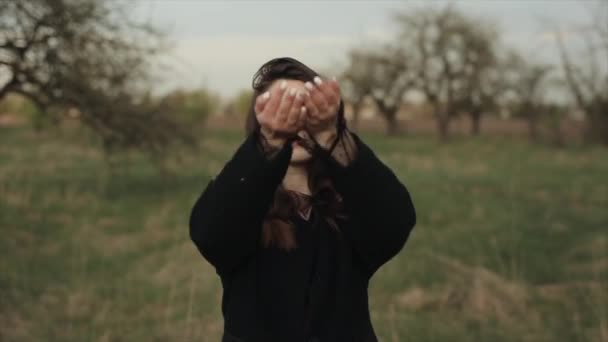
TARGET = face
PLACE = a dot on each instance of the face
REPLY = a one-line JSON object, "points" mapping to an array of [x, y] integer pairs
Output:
{"points": [[299, 155]]}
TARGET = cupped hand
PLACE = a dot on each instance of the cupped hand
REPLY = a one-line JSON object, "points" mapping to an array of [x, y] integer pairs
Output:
{"points": [[281, 113], [322, 108]]}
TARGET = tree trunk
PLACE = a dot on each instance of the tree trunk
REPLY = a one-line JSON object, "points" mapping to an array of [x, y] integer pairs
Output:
{"points": [[533, 126], [443, 121], [475, 122], [556, 127], [392, 125], [389, 113], [597, 125], [558, 137]]}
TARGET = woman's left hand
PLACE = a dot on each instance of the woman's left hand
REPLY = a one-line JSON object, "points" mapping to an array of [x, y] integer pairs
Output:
{"points": [[322, 109]]}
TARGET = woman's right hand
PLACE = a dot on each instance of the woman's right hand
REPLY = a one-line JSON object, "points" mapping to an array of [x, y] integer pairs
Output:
{"points": [[281, 114]]}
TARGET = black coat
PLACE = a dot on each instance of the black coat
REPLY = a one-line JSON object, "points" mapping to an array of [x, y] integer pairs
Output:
{"points": [[268, 292]]}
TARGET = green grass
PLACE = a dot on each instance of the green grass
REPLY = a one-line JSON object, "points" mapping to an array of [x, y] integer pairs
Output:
{"points": [[511, 243]]}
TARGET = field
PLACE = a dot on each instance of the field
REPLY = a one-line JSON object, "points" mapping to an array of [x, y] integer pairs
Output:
{"points": [[511, 242]]}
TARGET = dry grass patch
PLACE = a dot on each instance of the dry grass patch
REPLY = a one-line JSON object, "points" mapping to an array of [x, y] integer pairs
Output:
{"points": [[596, 254], [475, 292]]}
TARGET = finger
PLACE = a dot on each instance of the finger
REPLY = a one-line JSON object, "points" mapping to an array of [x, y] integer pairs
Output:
{"points": [[285, 106], [261, 101], [294, 111], [302, 117], [311, 108], [312, 114], [317, 96], [335, 86], [331, 91], [275, 99], [336, 92], [327, 88]]}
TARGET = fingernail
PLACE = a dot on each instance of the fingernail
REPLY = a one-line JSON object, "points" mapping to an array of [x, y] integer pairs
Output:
{"points": [[266, 96], [283, 85], [292, 91], [303, 110], [334, 78], [318, 80], [308, 85]]}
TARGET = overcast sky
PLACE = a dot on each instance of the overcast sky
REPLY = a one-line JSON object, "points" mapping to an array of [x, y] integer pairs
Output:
{"points": [[220, 44]]}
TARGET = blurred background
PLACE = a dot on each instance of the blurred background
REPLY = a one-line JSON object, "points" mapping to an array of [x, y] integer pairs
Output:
{"points": [[115, 114]]}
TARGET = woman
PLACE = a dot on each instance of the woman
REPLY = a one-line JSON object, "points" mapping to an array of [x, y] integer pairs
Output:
{"points": [[301, 217]]}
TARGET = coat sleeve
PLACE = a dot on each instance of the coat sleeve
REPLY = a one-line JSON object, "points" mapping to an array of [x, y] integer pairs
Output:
{"points": [[379, 209], [226, 220]]}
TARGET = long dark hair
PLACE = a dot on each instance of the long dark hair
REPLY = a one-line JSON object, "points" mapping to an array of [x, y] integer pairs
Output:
{"points": [[278, 229]]}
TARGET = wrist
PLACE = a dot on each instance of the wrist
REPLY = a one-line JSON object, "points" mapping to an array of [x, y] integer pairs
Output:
{"points": [[272, 138], [326, 137]]}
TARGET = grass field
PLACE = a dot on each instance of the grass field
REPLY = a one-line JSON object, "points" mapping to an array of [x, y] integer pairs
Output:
{"points": [[511, 243]]}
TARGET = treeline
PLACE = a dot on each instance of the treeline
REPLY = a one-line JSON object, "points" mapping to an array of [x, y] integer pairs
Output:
{"points": [[456, 64], [89, 60]]}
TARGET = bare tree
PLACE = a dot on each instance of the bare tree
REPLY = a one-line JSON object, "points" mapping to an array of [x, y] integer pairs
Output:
{"points": [[587, 78], [357, 82], [88, 56], [451, 53], [385, 77], [480, 75], [527, 84], [392, 79]]}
